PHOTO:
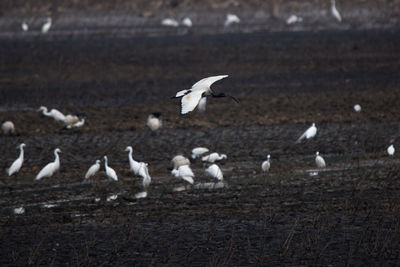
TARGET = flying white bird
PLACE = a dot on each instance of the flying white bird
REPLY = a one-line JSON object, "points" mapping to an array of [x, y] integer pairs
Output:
{"points": [[77, 124], [308, 134], [198, 151], [8, 127], [154, 121], [231, 19], [110, 171], [70, 120], [93, 169], [390, 150], [335, 12], [184, 172], [293, 19], [187, 22], [357, 108], [46, 26], [319, 160], [266, 164], [215, 172], [178, 161], [190, 97], [134, 165], [50, 168], [170, 22], [24, 26], [213, 157], [202, 104], [17, 164], [54, 113]]}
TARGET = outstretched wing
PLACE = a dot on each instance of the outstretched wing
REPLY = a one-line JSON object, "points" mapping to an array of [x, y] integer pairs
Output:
{"points": [[207, 82], [182, 93], [190, 101]]}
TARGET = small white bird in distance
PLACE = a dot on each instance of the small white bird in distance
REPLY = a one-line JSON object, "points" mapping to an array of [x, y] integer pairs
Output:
{"points": [[335, 12], [134, 165], [293, 19], [215, 172], [190, 98], [390, 150], [319, 160], [144, 173], [110, 171], [213, 157], [46, 26], [8, 127], [187, 22], [198, 151], [178, 161], [54, 113], [77, 124], [184, 172], [170, 22], [24, 26], [357, 108], [93, 169], [266, 164], [231, 19], [17, 164], [50, 168], [154, 121], [308, 134], [19, 211]]}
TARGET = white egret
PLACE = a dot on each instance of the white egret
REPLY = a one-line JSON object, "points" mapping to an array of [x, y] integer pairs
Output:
{"points": [[231, 19], [54, 113], [266, 164], [198, 151], [154, 121], [8, 127], [17, 164], [110, 171], [213, 157], [144, 173], [308, 134], [50, 168], [215, 172], [134, 165], [46, 26], [202, 104], [178, 161], [187, 22], [319, 160], [390, 150], [335, 12], [93, 169], [293, 19], [357, 108], [170, 22], [184, 172], [77, 124], [24, 26], [190, 97]]}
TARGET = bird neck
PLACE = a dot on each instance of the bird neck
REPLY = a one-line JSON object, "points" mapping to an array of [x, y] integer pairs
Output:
{"points": [[21, 152], [57, 159]]}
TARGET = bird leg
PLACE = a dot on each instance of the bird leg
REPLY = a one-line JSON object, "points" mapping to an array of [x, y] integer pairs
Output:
{"points": [[224, 95]]}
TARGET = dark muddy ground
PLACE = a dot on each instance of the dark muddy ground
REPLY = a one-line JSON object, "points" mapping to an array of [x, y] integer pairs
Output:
{"points": [[347, 214]]}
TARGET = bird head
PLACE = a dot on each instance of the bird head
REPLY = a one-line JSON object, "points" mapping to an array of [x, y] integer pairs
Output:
{"points": [[21, 145], [98, 161], [41, 108], [128, 148], [317, 153], [268, 156], [57, 150]]}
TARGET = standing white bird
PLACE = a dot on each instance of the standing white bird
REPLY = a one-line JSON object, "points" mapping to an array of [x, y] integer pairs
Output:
{"points": [[8, 127], [308, 134], [266, 164], [17, 164], [50, 168], [24, 26], [54, 113], [357, 108], [190, 97], [46, 26], [231, 19], [213, 157], [335, 12], [198, 151], [110, 171], [215, 172], [154, 121], [178, 161], [390, 150], [77, 124], [187, 22], [319, 160], [202, 104], [93, 169], [170, 22], [293, 19], [134, 165], [184, 172]]}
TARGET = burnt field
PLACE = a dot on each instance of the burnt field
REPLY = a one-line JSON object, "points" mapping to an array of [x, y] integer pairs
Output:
{"points": [[347, 214]]}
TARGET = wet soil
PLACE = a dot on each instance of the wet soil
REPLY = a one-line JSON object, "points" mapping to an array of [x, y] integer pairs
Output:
{"points": [[346, 214]]}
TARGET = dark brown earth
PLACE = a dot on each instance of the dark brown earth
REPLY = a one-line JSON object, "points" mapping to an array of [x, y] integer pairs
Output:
{"points": [[346, 215]]}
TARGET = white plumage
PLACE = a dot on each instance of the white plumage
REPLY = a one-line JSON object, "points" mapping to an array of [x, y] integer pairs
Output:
{"points": [[213, 157], [266, 164], [46, 26], [184, 172], [319, 160], [144, 173], [170, 22], [54, 113], [154, 121], [77, 124], [17, 164], [198, 151], [110, 171], [93, 169], [187, 22], [357, 108], [335, 12], [134, 165], [202, 104], [8, 127], [231, 19], [24, 26], [70, 120], [178, 161], [215, 172], [390, 150], [308, 134], [293, 19], [50, 168]]}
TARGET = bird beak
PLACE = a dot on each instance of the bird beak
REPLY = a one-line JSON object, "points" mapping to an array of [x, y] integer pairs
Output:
{"points": [[60, 151], [126, 149], [38, 110]]}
